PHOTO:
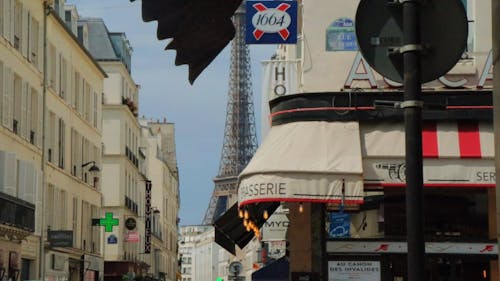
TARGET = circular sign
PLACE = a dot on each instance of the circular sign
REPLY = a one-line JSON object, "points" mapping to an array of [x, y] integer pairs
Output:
{"points": [[130, 223], [443, 29], [235, 267]]}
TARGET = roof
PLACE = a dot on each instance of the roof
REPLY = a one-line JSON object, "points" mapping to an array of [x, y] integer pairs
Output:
{"points": [[100, 45]]}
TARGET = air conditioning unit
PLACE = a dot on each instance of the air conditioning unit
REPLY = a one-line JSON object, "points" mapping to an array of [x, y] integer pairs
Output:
{"points": [[8, 173]]}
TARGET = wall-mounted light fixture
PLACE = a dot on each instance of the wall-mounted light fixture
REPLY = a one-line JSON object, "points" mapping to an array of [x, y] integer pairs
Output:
{"points": [[93, 168]]}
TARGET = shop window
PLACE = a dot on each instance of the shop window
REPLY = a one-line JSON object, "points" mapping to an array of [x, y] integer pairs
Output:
{"points": [[450, 214]]}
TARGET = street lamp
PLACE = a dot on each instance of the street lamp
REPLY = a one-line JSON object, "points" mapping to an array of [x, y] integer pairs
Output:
{"points": [[93, 168]]}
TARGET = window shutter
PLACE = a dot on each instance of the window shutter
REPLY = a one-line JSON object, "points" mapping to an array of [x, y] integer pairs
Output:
{"points": [[2, 87], [6, 19], [7, 98], [40, 46], [10, 172], [29, 103], [38, 203], [25, 33], [29, 194], [55, 141], [12, 20], [22, 174], [24, 100], [39, 125]]}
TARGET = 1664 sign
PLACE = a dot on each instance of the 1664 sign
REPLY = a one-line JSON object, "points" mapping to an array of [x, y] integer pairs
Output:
{"points": [[147, 236], [271, 22]]}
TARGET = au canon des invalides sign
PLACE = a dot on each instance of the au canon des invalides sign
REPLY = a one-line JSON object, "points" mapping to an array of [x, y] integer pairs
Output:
{"points": [[271, 22]]}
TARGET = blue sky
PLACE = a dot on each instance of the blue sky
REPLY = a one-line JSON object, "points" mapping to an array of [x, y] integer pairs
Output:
{"points": [[198, 110]]}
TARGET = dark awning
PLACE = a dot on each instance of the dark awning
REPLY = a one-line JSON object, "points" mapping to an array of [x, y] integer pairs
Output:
{"points": [[229, 229], [279, 270]]}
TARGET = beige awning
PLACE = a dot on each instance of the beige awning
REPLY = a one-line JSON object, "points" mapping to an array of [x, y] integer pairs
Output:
{"points": [[313, 161]]}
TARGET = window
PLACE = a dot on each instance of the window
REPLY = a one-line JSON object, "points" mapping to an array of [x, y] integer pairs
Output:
{"points": [[34, 116], [26, 120], [16, 122], [2, 84], [95, 232], [62, 211], [86, 226], [61, 140], [52, 66], [76, 91], [63, 77], [96, 104], [18, 27], [74, 224], [450, 214], [34, 37], [49, 213]]}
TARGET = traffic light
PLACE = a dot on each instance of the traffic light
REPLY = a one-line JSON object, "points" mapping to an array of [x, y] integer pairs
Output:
{"points": [[219, 279], [199, 29]]}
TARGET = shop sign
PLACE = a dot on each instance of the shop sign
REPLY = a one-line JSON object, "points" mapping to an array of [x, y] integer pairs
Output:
{"points": [[147, 236], [61, 238], [274, 229], [369, 247], [132, 236], [112, 239], [271, 22], [361, 71], [280, 79], [276, 249], [354, 271], [130, 223], [436, 172]]}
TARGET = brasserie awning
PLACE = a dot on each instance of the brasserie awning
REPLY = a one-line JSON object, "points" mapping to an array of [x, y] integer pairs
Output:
{"points": [[309, 161]]}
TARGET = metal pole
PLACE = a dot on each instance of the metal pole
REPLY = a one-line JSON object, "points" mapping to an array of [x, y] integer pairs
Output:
{"points": [[41, 270], [413, 123], [495, 18]]}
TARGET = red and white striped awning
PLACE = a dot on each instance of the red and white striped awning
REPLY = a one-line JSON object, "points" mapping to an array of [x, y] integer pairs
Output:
{"points": [[456, 154], [461, 139]]}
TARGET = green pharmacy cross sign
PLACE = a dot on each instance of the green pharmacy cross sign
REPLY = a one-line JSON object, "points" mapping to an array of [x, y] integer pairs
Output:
{"points": [[108, 222]]}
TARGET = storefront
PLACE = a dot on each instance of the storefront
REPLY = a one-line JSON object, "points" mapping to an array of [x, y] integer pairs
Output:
{"points": [[17, 222], [342, 151], [386, 261]]}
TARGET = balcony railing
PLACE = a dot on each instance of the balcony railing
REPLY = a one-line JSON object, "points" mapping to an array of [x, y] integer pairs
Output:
{"points": [[17, 213]]}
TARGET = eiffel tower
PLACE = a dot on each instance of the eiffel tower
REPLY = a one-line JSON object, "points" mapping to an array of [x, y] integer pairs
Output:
{"points": [[240, 139]]}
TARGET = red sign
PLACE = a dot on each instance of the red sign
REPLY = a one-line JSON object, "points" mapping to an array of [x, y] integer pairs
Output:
{"points": [[132, 236]]}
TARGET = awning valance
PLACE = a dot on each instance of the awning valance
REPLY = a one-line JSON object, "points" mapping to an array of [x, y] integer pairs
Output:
{"points": [[313, 161], [444, 139]]}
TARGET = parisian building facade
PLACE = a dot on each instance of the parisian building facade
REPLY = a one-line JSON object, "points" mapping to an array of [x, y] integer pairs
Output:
{"points": [[60, 176]]}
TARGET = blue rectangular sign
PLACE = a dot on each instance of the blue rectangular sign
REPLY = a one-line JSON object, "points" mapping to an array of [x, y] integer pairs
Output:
{"points": [[340, 225], [271, 22]]}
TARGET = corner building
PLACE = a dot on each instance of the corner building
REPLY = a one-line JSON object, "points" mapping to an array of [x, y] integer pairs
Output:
{"points": [[326, 100], [71, 193]]}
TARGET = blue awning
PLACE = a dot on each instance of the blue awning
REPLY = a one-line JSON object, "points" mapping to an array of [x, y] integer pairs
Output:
{"points": [[279, 270]]}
